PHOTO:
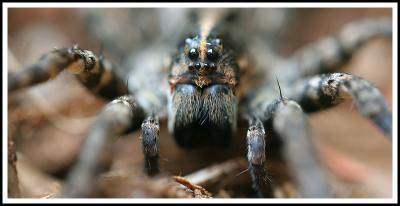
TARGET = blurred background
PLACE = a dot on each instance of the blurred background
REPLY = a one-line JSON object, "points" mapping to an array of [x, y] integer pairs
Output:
{"points": [[49, 122]]}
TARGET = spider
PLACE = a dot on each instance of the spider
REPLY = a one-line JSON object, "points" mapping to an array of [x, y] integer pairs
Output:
{"points": [[216, 77]]}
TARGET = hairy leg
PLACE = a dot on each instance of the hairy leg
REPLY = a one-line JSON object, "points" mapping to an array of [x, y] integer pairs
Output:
{"points": [[327, 90], [291, 125], [118, 117], [256, 158], [150, 144], [329, 53], [318, 93], [96, 73]]}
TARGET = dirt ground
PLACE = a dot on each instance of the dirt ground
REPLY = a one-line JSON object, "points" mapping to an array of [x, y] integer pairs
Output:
{"points": [[50, 121]]}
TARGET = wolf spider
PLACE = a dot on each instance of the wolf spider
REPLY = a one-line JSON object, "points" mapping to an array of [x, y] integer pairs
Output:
{"points": [[217, 77]]}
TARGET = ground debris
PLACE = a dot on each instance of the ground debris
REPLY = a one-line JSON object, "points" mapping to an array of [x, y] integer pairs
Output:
{"points": [[198, 191]]}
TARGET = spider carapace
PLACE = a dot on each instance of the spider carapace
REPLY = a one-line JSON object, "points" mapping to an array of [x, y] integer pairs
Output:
{"points": [[203, 78]]}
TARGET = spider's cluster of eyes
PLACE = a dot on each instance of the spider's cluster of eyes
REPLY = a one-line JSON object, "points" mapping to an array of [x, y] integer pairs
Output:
{"points": [[212, 53]]}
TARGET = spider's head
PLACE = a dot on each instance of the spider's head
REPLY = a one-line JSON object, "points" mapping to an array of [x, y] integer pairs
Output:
{"points": [[203, 105], [202, 55], [204, 61]]}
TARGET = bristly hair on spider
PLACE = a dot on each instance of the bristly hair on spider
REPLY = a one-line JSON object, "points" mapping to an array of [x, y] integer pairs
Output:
{"points": [[280, 90]]}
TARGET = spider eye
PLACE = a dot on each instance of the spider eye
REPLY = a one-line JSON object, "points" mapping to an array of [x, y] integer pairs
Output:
{"points": [[197, 66], [206, 66], [193, 53], [191, 66], [212, 54]]}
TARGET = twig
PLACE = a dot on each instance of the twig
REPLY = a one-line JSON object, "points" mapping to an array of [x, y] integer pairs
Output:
{"points": [[120, 185], [197, 190], [219, 174]]}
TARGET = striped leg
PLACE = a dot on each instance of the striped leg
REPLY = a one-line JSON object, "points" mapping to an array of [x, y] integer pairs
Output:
{"points": [[256, 158], [330, 52], [118, 117], [150, 144], [323, 91], [96, 73]]}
